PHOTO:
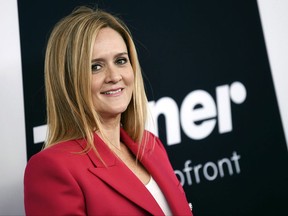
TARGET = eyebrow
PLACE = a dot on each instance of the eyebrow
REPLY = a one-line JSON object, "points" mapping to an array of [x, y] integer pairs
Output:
{"points": [[117, 55]]}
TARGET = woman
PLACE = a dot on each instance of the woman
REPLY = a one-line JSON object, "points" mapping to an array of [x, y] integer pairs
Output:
{"points": [[98, 159]]}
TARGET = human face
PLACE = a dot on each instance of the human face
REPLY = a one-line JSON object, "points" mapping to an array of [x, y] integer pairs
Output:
{"points": [[112, 74]]}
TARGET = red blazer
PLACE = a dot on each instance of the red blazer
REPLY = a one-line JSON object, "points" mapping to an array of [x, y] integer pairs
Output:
{"points": [[60, 181]]}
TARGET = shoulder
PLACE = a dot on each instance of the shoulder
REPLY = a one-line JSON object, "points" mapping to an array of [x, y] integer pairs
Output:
{"points": [[63, 156], [150, 136], [58, 151], [52, 177], [152, 142]]}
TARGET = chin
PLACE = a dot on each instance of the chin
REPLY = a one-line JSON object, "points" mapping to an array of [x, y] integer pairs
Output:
{"points": [[114, 112]]}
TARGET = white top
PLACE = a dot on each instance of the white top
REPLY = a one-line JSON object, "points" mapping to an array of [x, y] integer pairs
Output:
{"points": [[156, 192]]}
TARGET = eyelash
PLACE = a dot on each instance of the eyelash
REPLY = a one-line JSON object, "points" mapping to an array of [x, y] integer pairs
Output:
{"points": [[94, 67], [120, 61]]}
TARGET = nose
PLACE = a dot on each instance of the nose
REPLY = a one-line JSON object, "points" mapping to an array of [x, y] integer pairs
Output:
{"points": [[113, 75]]}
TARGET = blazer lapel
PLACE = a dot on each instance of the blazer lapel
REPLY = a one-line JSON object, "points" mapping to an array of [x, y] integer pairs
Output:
{"points": [[168, 186], [116, 174], [163, 173]]}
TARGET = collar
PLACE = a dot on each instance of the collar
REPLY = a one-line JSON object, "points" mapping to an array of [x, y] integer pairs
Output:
{"points": [[116, 174]]}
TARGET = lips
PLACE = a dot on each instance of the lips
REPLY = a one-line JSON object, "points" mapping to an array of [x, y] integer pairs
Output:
{"points": [[112, 92]]}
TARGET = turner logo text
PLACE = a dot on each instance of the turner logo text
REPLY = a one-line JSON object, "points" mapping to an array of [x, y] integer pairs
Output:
{"points": [[199, 112]]}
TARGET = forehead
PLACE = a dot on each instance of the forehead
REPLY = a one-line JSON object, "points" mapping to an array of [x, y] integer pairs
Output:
{"points": [[108, 40]]}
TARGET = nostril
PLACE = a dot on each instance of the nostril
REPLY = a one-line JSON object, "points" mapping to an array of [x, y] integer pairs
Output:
{"points": [[113, 79]]}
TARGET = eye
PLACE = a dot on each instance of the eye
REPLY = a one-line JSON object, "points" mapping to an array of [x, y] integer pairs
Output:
{"points": [[121, 61], [95, 67]]}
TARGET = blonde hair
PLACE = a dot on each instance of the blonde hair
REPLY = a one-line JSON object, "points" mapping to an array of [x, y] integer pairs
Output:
{"points": [[70, 110]]}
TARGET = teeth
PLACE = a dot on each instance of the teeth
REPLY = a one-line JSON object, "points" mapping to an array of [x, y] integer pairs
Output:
{"points": [[112, 92]]}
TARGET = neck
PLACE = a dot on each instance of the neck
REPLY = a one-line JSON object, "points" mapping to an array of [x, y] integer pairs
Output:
{"points": [[111, 133]]}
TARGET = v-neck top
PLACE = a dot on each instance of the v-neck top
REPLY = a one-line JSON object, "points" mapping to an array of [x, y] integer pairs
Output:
{"points": [[156, 192]]}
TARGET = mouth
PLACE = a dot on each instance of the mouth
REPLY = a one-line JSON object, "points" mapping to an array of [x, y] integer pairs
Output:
{"points": [[112, 92]]}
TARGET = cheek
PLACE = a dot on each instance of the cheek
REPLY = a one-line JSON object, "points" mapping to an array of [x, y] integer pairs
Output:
{"points": [[130, 78], [95, 85]]}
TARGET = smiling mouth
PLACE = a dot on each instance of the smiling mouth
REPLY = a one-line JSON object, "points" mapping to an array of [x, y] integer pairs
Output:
{"points": [[112, 92]]}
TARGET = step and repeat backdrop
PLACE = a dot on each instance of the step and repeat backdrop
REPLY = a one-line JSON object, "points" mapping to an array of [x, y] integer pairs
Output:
{"points": [[210, 92]]}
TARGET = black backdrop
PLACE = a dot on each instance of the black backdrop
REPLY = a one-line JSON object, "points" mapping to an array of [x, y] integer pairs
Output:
{"points": [[210, 54]]}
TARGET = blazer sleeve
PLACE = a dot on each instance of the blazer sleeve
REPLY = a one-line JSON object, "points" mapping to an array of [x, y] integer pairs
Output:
{"points": [[50, 188]]}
